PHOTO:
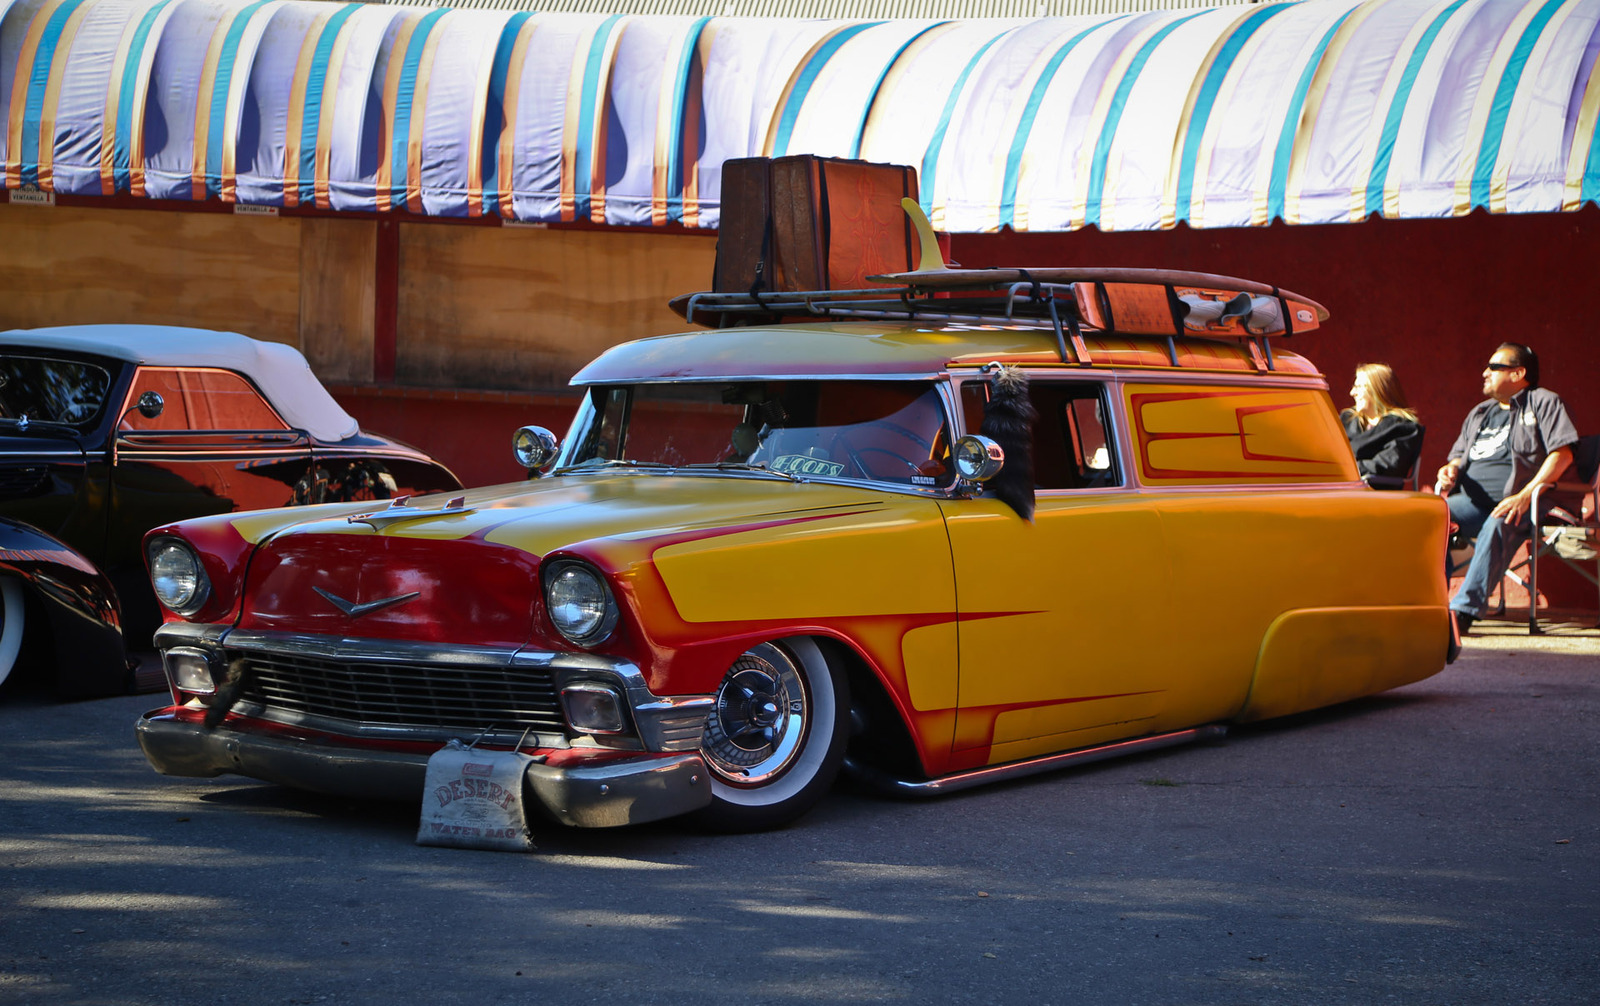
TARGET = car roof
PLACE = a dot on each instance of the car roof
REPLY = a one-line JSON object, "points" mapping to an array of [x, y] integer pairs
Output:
{"points": [[278, 370], [862, 349]]}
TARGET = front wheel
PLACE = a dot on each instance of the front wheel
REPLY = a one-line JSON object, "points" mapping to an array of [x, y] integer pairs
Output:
{"points": [[775, 737]]}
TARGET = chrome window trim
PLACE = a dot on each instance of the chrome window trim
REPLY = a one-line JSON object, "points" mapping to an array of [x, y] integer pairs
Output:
{"points": [[23, 457], [586, 410]]}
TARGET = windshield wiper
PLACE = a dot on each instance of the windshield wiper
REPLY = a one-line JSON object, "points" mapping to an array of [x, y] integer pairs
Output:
{"points": [[599, 464], [742, 466]]}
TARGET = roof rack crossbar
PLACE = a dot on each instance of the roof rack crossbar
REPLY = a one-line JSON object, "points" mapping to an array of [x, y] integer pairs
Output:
{"points": [[1048, 294]]}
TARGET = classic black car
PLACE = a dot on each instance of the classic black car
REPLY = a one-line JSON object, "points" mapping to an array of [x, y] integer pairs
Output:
{"points": [[109, 430]]}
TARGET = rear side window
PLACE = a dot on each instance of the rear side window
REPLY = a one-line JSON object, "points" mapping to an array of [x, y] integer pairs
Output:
{"points": [[1189, 434], [1072, 447], [200, 399]]}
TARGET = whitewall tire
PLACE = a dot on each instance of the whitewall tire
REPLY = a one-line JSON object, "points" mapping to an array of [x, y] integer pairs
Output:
{"points": [[775, 737]]}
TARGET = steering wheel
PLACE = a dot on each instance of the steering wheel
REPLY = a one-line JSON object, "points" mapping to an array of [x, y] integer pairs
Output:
{"points": [[855, 454]]}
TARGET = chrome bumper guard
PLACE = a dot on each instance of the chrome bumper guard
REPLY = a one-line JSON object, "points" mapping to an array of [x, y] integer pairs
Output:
{"points": [[615, 791], [667, 778]]}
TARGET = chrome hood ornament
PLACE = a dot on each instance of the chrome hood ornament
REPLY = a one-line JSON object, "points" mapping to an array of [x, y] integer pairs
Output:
{"points": [[400, 509], [355, 610]]}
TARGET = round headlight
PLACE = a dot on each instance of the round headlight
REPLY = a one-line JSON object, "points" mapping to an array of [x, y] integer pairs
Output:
{"points": [[179, 580], [579, 602]]}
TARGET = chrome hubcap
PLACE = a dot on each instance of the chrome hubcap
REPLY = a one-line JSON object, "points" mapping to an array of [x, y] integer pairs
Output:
{"points": [[754, 732]]}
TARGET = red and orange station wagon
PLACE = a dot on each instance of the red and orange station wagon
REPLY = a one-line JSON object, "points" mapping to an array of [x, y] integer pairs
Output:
{"points": [[968, 526]]}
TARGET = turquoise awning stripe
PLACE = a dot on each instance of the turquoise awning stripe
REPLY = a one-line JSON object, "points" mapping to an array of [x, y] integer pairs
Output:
{"points": [[1379, 178], [38, 83], [1030, 112], [1207, 99], [1119, 101], [680, 99], [221, 84], [1590, 192], [493, 113], [1277, 188], [930, 158], [877, 85], [808, 76], [127, 90], [311, 112], [1494, 130], [583, 155], [404, 98]]}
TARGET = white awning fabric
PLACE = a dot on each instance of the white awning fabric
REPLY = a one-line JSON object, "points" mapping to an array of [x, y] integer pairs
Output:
{"points": [[1315, 112]]}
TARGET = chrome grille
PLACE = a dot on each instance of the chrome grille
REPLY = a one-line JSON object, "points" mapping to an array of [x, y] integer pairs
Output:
{"points": [[395, 693]]}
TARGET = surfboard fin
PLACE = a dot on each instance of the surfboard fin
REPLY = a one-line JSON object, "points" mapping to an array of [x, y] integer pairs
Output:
{"points": [[928, 257]]}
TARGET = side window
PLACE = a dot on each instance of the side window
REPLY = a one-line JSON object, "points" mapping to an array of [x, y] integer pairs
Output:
{"points": [[200, 399], [1072, 445]]}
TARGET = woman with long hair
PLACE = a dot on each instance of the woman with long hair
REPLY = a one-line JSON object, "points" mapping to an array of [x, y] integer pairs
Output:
{"points": [[1383, 430]]}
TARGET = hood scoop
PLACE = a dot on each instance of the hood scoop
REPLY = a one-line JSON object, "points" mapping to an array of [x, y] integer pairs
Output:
{"points": [[400, 509]]}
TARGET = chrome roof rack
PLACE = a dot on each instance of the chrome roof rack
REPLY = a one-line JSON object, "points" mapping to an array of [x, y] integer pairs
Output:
{"points": [[1138, 302]]}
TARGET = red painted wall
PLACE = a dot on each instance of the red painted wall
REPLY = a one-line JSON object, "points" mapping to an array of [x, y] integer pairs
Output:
{"points": [[470, 431]]}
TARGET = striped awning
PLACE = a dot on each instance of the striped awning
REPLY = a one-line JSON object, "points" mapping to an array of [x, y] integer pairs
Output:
{"points": [[1314, 112]]}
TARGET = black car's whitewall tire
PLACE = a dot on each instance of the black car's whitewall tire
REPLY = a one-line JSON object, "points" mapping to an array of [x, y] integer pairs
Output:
{"points": [[12, 620], [775, 737]]}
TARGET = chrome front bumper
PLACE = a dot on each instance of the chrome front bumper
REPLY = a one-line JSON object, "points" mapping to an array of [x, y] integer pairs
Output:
{"points": [[606, 792]]}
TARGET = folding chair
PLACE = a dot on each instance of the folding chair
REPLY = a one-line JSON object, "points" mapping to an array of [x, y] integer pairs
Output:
{"points": [[1570, 531]]}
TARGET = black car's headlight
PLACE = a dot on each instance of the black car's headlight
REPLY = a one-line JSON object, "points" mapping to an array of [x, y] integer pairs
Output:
{"points": [[579, 602], [179, 579]]}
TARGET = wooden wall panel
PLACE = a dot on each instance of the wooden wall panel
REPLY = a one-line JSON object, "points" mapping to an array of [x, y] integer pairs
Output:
{"points": [[337, 273], [66, 265], [524, 308]]}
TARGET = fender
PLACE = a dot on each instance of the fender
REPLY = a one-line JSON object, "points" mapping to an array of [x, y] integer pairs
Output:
{"points": [[87, 655]]}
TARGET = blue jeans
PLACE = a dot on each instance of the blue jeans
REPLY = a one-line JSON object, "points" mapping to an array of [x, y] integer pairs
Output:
{"points": [[1497, 542]]}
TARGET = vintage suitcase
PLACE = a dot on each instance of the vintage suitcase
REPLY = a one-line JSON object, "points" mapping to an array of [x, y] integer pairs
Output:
{"points": [[812, 223]]}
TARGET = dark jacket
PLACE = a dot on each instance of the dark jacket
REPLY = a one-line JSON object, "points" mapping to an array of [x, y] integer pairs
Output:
{"points": [[1386, 451], [1539, 425]]}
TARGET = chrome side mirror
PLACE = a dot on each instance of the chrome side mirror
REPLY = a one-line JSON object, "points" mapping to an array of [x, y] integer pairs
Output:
{"points": [[978, 459], [534, 447], [150, 404]]}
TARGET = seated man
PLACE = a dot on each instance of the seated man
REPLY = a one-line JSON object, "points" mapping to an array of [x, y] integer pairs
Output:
{"points": [[1518, 439]]}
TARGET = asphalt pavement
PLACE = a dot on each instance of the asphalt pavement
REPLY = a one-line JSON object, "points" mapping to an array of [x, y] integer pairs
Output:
{"points": [[1436, 844]]}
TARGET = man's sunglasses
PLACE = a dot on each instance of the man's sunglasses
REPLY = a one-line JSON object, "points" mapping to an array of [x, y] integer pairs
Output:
{"points": [[1501, 366]]}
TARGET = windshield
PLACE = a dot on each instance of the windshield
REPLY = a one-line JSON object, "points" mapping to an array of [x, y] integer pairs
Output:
{"points": [[882, 431], [43, 390]]}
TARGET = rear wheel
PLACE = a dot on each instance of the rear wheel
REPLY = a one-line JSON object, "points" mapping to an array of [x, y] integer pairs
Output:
{"points": [[775, 737], [12, 619]]}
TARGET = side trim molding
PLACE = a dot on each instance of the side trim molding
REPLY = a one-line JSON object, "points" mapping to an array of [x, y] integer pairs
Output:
{"points": [[923, 788]]}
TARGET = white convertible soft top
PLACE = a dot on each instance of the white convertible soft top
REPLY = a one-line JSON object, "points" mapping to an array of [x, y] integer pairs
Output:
{"points": [[279, 371]]}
